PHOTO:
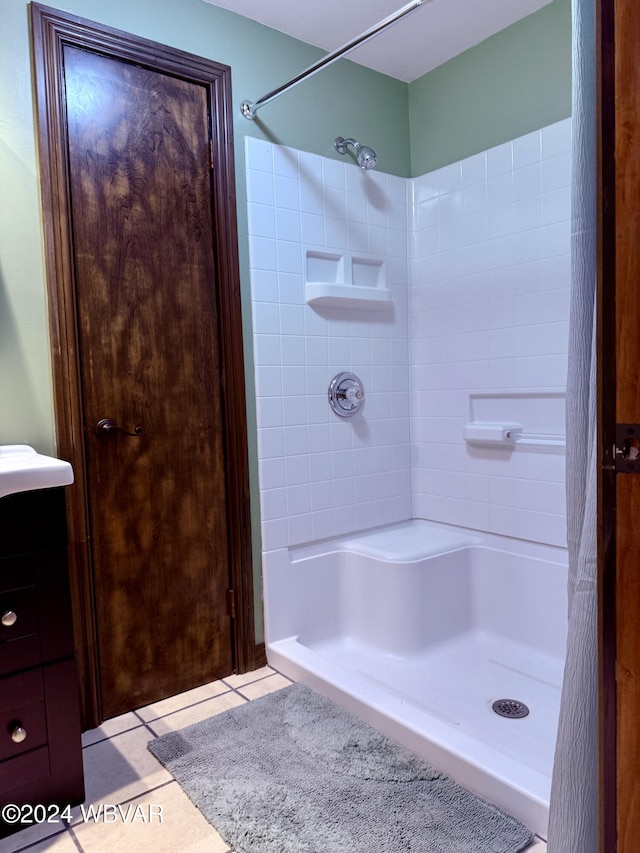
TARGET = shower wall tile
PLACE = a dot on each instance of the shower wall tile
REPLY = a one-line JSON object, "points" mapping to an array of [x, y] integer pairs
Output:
{"points": [[488, 312], [477, 257], [319, 475]]}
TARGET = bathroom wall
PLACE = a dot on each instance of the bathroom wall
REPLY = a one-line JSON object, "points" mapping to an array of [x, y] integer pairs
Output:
{"points": [[517, 81], [486, 291], [346, 95], [345, 98], [260, 59], [489, 310], [321, 475]]}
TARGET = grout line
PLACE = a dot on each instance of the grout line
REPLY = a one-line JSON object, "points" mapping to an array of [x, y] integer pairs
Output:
{"points": [[75, 839], [147, 723], [38, 841], [246, 698], [147, 726], [155, 788], [109, 737], [237, 690], [241, 686], [255, 680], [144, 793]]}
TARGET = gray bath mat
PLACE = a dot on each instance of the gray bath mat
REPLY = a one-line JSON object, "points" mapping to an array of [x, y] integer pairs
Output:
{"points": [[294, 773]]}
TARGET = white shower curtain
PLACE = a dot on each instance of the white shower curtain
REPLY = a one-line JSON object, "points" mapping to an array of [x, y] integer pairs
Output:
{"points": [[573, 825]]}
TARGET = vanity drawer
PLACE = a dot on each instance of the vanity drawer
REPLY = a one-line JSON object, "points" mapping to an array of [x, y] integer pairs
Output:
{"points": [[22, 653], [36, 588], [23, 720], [22, 689], [23, 770], [28, 721], [19, 638], [18, 613], [20, 534]]}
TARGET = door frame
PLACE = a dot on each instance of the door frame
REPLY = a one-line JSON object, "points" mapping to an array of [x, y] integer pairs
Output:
{"points": [[606, 414], [618, 42], [51, 31]]}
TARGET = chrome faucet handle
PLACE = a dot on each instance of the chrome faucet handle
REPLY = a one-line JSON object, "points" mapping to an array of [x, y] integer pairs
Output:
{"points": [[346, 394], [353, 394]]}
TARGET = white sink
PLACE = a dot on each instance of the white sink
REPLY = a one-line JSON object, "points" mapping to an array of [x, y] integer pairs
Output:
{"points": [[22, 470]]}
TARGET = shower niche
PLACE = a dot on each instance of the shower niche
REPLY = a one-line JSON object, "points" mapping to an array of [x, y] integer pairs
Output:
{"points": [[345, 280]]}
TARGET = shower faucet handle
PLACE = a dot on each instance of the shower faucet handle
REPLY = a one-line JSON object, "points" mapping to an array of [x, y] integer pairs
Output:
{"points": [[346, 394], [353, 394]]}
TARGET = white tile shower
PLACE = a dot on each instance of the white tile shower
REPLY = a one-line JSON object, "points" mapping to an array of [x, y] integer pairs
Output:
{"points": [[320, 476], [476, 256], [489, 311]]}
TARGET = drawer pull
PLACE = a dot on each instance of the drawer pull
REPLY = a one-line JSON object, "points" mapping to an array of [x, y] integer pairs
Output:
{"points": [[18, 734], [9, 618]]}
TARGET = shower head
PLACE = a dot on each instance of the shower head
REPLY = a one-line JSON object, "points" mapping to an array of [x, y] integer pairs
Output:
{"points": [[366, 157]]}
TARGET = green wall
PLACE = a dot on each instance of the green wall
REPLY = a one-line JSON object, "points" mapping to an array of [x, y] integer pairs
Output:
{"points": [[514, 82], [345, 100]]}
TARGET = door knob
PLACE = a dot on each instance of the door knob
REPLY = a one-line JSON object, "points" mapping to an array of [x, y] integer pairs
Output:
{"points": [[107, 425]]}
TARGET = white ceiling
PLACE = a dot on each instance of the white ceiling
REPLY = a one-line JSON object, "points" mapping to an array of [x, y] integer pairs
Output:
{"points": [[434, 33]]}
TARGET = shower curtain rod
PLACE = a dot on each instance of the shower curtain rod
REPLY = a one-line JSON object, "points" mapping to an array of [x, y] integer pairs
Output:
{"points": [[250, 108]]}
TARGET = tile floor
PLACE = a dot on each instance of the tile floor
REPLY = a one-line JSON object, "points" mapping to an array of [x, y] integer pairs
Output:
{"points": [[120, 770]]}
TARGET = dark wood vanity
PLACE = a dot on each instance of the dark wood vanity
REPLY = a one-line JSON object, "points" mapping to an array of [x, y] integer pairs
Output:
{"points": [[40, 747]]}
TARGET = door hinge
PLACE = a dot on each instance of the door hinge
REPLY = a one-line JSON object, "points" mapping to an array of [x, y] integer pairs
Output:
{"points": [[211, 154], [231, 603], [627, 450]]}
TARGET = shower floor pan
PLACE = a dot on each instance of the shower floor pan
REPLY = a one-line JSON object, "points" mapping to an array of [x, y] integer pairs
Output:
{"points": [[422, 648]]}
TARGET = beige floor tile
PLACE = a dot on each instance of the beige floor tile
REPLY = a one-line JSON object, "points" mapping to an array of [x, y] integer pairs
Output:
{"points": [[120, 768], [112, 727], [264, 686], [182, 700], [61, 843], [246, 677], [162, 821], [195, 713], [37, 832]]}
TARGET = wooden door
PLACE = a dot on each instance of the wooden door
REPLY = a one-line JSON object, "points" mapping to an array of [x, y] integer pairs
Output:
{"points": [[619, 305], [146, 289], [139, 166]]}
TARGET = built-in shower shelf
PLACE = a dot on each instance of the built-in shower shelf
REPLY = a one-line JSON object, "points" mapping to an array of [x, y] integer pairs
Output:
{"points": [[343, 280], [345, 295]]}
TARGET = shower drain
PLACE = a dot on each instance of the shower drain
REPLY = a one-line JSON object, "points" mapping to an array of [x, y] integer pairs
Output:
{"points": [[511, 708]]}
